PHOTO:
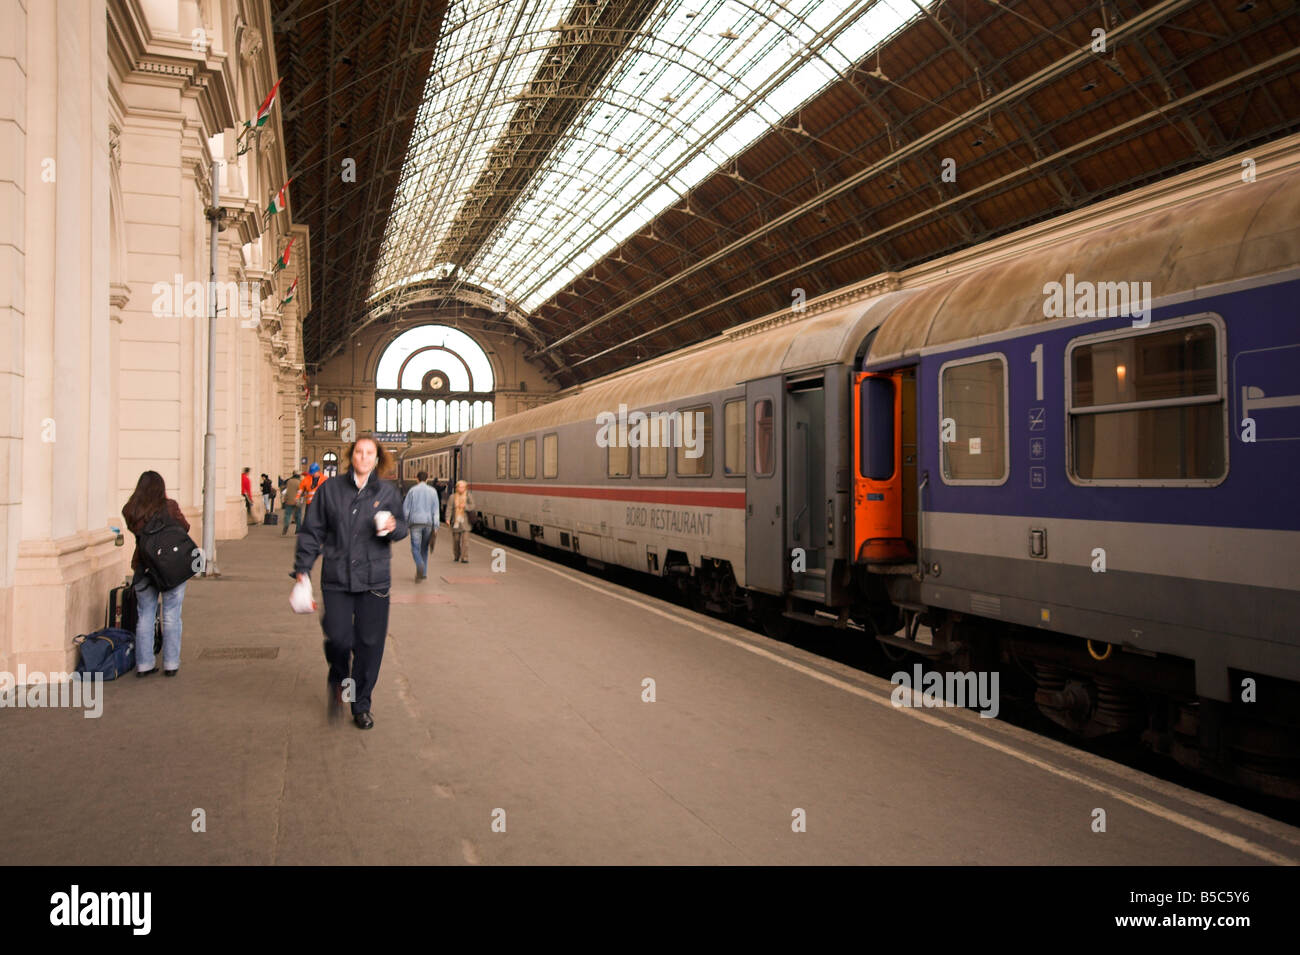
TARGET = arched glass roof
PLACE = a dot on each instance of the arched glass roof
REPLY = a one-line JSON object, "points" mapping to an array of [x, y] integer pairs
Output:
{"points": [[543, 142], [415, 353]]}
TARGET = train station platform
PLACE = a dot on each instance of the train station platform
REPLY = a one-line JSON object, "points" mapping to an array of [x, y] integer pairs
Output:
{"points": [[517, 701]]}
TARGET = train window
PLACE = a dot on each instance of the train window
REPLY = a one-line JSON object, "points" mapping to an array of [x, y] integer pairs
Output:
{"points": [[764, 450], [973, 429], [514, 459], [876, 419], [652, 458], [501, 459], [733, 424], [530, 457], [1148, 406], [695, 443], [617, 465], [550, 455]]}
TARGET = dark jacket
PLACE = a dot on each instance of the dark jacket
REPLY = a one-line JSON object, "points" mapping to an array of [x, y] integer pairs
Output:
{"points": [[174, 510], [340, 521]]}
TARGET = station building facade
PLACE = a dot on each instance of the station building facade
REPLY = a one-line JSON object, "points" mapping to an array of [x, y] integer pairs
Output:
{"points": [[112, 113]]}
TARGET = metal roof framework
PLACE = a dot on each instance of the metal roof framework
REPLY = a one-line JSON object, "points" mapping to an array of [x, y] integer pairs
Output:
{"points": [[612, 179]]}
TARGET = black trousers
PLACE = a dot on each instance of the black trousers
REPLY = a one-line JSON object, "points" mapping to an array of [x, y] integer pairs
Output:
{"points": [[356, 626]]}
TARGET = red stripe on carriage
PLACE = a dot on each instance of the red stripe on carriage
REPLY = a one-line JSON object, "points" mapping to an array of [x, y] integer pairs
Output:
{"points": [[639, 495]]}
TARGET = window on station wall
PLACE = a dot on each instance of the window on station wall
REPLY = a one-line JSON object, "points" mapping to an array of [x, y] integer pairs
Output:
{"points": [[436, 364], [381, 415], [330, 416], [330, 464], [733, 420]]}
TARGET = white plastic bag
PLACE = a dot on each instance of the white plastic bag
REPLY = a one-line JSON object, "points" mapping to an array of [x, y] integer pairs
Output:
{"points": [[301, 599]]}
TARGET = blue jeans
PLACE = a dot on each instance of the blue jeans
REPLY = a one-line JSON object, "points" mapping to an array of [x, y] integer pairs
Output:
{"points": [[420, 534], [147, 601]]}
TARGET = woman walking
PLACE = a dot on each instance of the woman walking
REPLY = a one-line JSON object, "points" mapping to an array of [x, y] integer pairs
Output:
{"points": [[147, 502], [353, 520], [458, 510]]}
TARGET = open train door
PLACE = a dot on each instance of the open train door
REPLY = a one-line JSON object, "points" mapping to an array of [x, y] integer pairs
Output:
{"points": [[765, 553]]}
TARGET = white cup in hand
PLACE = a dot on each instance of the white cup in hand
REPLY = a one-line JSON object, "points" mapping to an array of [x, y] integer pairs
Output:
{"points": [[381, 522]]}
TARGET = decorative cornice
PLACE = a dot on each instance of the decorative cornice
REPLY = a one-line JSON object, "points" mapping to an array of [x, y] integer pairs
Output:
{"points": [[118, 295]]}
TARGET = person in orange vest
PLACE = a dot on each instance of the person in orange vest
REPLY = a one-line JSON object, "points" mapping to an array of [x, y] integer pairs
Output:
{"points": [[311, 481]]}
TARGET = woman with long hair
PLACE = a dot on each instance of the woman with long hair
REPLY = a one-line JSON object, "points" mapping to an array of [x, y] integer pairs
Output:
{"points": [[147, 502], [352, 523]]}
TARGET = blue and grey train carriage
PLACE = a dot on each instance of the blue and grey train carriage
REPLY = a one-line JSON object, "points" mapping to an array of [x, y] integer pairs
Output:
{"points": [[1069, 454]]}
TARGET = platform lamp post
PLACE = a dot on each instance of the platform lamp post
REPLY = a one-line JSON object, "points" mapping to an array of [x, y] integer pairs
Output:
{"points": [[214, 214]]}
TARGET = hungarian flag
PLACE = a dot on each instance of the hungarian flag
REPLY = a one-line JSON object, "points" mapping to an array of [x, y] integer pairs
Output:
{"points": [[278, 203], [284, 259], [289, 298], [265, 112]]}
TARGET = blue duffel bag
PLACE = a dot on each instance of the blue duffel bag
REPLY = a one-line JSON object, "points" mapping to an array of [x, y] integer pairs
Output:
{"points": [[110, 652]]}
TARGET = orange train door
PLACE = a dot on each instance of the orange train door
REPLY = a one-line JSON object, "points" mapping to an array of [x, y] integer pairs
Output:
{"points": [[878, 486]]}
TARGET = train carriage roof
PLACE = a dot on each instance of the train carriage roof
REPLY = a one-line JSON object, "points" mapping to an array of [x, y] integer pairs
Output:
{"points": [[1178, 237], [1238, 231]]}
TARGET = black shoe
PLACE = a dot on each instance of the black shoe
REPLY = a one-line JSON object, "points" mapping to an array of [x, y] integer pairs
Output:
{"points": [[363, 720], [171, 672], [147, 672]]}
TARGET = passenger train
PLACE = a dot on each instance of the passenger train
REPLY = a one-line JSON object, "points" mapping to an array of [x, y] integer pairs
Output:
{"points": [[1069, 454]]}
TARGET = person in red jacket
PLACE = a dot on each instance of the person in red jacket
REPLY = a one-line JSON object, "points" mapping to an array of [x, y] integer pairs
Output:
{"points": [[246, 489], [149, 499]]}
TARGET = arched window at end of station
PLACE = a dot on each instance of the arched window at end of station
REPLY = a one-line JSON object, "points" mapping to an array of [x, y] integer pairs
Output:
{"points": [[433, 380]]}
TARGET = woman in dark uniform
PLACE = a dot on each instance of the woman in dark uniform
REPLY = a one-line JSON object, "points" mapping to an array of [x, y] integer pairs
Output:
{"points": [[352, 523]]}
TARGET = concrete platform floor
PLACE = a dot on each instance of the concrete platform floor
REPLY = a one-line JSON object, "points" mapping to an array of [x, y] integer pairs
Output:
{"points": [[522, 691]]}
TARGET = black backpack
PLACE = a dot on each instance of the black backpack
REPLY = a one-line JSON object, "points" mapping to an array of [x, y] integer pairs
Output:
{"points": [[166, 552]]}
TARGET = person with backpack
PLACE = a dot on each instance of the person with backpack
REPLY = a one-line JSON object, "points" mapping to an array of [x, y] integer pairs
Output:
{"points": [[150, 513], [352, 525], [308, 485]]}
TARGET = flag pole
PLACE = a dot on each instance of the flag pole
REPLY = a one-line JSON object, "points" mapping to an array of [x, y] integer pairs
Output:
{"points": [[210, 436]]}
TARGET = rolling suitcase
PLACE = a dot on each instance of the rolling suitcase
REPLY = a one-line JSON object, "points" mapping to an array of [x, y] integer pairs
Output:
{"points": [[124, 613], [271, 519]]}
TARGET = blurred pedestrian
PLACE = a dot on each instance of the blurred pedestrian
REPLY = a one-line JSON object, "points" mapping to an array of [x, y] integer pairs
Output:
{"points": [[352, 524], [459, 508], [421, 512], [289, 505]]}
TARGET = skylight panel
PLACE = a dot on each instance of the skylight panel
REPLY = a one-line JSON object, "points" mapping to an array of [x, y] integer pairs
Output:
{"points": [[702, 81]]}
